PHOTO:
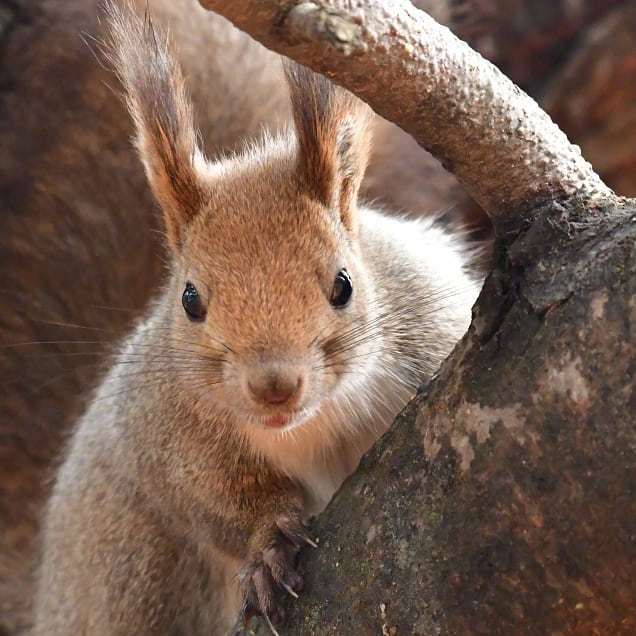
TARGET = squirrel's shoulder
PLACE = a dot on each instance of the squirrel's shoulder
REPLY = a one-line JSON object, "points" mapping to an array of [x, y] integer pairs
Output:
{"points": [[427, 241]]}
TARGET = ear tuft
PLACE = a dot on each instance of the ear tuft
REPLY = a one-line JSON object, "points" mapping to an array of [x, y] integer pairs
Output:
{"points": [[161, 109], [334, 137]]}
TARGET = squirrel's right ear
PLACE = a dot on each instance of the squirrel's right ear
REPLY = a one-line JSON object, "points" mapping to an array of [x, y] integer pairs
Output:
{"points": [[333, 129], [162, 112]]}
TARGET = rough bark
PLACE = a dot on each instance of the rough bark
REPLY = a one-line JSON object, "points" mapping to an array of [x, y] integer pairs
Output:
{"points": [[575, 58], [414, 72]]}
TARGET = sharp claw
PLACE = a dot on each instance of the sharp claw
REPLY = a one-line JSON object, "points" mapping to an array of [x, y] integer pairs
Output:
{"points": [[290, 590], [294, 532], [272, 568], [269, 623]]}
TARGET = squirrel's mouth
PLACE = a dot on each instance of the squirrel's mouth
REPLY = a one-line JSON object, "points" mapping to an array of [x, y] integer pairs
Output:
{"points": [[278, 421], [288, 420]]}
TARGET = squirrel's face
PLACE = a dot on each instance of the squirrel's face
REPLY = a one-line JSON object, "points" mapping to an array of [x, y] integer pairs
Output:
{"points": [[269, 294]]}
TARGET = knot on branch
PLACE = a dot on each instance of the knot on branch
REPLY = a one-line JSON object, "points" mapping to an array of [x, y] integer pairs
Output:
{"points": [[309, 21]]}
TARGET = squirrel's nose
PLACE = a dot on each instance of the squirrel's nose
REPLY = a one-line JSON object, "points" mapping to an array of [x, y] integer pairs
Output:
{"points": [[274, 389]]}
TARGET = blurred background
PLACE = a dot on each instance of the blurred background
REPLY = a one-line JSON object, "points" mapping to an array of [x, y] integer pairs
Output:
{"points": [[81, 247]]}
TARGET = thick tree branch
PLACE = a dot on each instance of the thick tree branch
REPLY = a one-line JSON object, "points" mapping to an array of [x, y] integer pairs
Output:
{"points": [[500, 144]]}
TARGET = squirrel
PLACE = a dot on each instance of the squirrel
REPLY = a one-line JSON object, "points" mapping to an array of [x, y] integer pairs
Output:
{"points": [[294, 325]]}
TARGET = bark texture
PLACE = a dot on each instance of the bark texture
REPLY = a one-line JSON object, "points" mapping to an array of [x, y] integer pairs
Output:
{"points": [[575, 58], [416, 73]]}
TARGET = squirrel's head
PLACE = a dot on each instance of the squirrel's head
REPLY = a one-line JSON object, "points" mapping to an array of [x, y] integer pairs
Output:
{"points": [[268, 290]]}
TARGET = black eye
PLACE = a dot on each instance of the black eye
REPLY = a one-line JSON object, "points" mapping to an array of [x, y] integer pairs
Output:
{"points": [[192, 303], [342, 289]]}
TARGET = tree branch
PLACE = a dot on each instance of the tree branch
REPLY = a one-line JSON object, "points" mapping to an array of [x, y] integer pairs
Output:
{"points": [[500, 144]]}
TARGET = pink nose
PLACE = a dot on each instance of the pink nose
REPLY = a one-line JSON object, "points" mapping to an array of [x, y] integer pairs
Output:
{"points": [[274, 390]]}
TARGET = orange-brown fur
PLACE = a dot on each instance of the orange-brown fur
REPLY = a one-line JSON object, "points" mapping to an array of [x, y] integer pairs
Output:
{"points": [[76, 209], [177, 503]]}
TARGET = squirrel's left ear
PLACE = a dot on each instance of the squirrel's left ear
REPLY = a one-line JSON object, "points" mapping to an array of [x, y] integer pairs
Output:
{"points": [[334, 137]]}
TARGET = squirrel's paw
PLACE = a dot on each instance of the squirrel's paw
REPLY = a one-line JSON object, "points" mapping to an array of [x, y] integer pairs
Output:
{"points": [[273, 569]]}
